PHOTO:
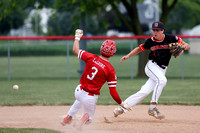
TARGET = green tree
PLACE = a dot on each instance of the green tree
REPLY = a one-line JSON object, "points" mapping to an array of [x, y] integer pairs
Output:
{"points": [[68, 22], [14, 20], [178, 18], [60, 24], [14, 12], [63, 23]]}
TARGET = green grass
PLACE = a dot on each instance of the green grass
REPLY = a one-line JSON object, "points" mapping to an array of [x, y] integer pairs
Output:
{"points": [[55, 67], [38, 92], [61, 92], [191, 66], [39, 67], [26, 130], [177, 91], [43, 81], [56, 47]]}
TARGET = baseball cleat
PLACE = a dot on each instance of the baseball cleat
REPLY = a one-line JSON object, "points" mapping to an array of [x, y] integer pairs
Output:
{"points": [[118, 111], [83, 120], [155, 113], [66, 120]]}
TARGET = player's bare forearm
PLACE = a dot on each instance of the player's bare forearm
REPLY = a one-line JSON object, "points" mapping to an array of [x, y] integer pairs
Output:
{"points": [[76, 47], [78, 35], [132, 53]]}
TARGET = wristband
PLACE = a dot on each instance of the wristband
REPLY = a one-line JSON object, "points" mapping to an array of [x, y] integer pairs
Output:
{"points": [[77, 38]]}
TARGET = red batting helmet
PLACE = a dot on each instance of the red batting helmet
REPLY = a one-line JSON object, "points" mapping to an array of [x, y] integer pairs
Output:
{"points": [[108, 48]]}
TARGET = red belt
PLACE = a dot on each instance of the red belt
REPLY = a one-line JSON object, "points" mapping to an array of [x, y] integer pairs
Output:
{"points": [[90, 94]]}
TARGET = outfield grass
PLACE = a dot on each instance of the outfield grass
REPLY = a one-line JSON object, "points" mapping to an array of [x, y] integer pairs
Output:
{"points": [[55, 67], [43, 81], [61, 92], [55, 47]]}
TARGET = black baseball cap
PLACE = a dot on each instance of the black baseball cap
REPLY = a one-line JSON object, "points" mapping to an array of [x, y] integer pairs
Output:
{"points": [[158, 25]]}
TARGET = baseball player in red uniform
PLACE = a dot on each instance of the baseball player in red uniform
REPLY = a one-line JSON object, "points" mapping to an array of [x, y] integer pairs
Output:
{"points": [[97, 71], [155, 69]]}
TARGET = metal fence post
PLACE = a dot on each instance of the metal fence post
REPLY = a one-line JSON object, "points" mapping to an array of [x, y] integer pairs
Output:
{"points": [[131, 47], [68, 65], [83, 46], [182, 66], [8, 59]]}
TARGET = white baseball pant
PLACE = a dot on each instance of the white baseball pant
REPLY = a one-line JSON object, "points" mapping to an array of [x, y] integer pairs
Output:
{"points": [[155, 83], [87, 102]]}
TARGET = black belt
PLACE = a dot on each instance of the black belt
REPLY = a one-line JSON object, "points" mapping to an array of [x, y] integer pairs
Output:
{"points": [[162, 66]]}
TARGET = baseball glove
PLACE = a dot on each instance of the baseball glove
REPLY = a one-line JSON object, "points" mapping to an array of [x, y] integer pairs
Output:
{"points": [[176, 49]]}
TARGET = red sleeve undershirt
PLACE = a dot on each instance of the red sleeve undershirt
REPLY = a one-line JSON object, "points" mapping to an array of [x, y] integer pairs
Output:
{"points": [[141, 47], [115, 95], [180, 40]]}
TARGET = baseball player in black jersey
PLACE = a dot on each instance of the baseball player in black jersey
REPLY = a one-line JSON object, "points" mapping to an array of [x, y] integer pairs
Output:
{"points": [[155, 69]]}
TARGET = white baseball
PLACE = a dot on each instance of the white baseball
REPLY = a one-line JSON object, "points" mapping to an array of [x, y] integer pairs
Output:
{"points": [[15, 87]]}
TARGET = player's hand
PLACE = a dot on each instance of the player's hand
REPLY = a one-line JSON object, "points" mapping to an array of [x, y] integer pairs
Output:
{"points": [[124, 58], [78, 34], [125, 106]]}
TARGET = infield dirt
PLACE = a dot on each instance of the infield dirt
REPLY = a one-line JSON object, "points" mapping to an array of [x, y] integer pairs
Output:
{"points": [[178, 119]]}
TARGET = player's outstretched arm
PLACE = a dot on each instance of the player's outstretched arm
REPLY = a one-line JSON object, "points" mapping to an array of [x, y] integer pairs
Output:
{"points": [[115, 96], [132, 53], [78, 35], [124, 58]]}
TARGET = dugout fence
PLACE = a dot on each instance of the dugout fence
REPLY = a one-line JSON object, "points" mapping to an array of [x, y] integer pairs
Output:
{"points": [[52, 57]]}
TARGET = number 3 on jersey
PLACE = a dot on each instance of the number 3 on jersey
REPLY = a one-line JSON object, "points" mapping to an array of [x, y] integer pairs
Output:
{"points": [[93, 73]]}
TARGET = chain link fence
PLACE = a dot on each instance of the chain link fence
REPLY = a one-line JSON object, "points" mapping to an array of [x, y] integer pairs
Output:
{"points": [[50, 58]]}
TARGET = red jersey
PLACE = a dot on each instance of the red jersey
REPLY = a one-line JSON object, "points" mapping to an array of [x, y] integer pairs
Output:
{"points": [[97, 72]]}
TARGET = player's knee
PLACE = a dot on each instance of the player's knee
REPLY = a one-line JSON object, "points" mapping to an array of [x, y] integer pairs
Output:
{"points": [[163, 81]]}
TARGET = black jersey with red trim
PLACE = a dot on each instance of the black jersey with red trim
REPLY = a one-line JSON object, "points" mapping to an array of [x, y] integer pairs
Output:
{"points": [[160, 52]]}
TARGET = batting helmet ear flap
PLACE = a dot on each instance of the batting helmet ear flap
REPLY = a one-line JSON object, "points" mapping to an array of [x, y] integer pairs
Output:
{"points": [[108, 48]]}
